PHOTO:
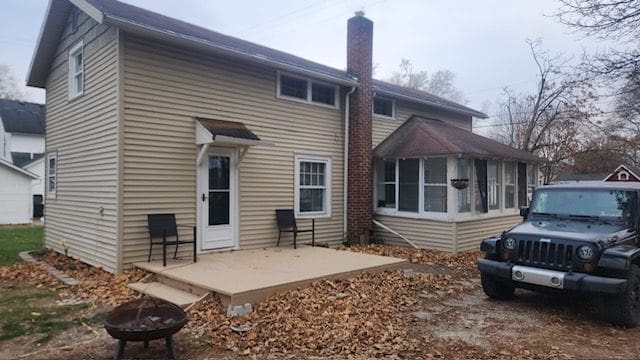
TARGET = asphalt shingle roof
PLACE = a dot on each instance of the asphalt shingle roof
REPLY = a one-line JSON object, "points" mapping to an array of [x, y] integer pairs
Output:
{"points": [[420, 136], [22, 117], [21, 159]]}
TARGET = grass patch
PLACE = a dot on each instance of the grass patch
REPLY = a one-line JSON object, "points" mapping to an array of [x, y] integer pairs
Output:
{"points": [[30, 310], [15, 239]]}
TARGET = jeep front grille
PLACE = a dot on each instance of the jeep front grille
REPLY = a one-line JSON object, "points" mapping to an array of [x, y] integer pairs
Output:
{"points": [[547, 254]]}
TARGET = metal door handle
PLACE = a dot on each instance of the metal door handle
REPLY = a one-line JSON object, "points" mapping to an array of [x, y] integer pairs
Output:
{"points": [[204, 197]]}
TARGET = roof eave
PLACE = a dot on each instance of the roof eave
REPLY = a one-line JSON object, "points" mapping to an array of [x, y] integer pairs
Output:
{"points": [[186, 40], [470, 112], [50, 30]]}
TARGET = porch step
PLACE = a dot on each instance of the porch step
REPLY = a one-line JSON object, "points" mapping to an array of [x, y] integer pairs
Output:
{"points": [[165, 292]]}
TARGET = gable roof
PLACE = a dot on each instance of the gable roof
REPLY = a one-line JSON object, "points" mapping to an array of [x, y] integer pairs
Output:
{"points": [[420, 136], [9, 165], [150, 24], [21, 159], [630, 169], [22, 117]]}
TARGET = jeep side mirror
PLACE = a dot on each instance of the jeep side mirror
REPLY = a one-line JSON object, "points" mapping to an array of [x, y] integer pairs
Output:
{"points": [[524, 211]]}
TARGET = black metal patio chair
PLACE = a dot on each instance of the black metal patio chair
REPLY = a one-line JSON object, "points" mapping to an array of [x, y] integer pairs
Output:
{"points": [[164, 228], [287, 223]]}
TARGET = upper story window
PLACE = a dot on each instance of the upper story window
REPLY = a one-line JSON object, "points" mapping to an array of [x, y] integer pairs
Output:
{"points": [[313, 186], [75, 18], [52, 174], [76, 70], [383, 107], [306, 90]]}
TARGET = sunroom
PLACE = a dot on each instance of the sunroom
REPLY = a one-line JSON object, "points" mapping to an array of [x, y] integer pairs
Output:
{"points": [[444, 187]]}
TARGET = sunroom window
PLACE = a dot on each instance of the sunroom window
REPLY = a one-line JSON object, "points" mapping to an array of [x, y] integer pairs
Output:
{"points": [[435, 185], [531, 181], [509, 185], [464, 195], [493, 184], [386, 179], [408, 188]]}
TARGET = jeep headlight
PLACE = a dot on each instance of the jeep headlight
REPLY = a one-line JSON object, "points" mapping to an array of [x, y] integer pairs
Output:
{"points": [[509, 244], [585, 252]]}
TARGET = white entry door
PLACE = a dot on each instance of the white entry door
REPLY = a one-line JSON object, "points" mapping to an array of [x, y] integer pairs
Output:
{"points": [[218, 200]]}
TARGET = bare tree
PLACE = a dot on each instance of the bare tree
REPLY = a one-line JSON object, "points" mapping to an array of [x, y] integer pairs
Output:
{"points": [[8, 86], [547, 121], [617, 20], [439, 83]]}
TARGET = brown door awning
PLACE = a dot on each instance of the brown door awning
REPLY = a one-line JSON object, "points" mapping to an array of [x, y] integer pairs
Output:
{"points": [[212, 131]]}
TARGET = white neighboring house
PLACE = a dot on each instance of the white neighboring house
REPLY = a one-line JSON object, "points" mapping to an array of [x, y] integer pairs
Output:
{"points": [[22, 129], [15, 194]]}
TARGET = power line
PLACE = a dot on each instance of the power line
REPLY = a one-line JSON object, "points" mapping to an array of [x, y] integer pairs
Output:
{"points": [[525, 122]]}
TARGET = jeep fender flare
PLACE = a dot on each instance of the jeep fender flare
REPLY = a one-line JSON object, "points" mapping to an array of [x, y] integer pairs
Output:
{"points": [[491, 245], [616, 260]]}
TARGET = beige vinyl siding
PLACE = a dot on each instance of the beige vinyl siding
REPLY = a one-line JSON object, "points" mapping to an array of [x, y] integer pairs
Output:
{"points": [[383, 127], [165, 88], [424, 233], [83, 132], [470, 233]]}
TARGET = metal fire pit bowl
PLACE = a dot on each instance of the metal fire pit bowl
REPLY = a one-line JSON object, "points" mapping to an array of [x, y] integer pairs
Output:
{"points": [[145, 319]]}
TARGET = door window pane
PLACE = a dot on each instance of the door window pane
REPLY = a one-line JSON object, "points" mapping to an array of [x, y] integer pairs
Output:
{"points": [[409, 174], [218, 172], [218, 207]]}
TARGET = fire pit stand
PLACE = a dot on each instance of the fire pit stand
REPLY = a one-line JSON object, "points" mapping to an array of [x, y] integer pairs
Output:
{"points": [[144, 320]]}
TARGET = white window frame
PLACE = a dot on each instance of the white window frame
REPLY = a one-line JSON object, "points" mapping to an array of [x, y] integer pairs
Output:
{"points": [[77, 49], [498, 191], [327, 186], [623, 176], [514, 183], [424, 183], [51, 194], [310, 83], [393, 109]]}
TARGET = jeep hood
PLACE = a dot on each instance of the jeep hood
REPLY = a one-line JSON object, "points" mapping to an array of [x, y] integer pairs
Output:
{"points": [[569, 230]]}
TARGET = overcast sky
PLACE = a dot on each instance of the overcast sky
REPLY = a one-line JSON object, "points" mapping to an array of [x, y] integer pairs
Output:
{"points": [[482, 42]]}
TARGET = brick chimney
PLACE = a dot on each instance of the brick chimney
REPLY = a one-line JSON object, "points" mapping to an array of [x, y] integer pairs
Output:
{"points": [[360, 177]]}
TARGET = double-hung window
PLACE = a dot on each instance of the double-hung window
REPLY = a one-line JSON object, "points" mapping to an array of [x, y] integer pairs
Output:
{"points": [[302, 89], [76, 70], [313, 186], [52, 175], [435, 185]]}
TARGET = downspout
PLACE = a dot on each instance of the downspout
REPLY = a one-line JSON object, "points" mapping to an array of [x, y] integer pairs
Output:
{"points": [[346, 159]]}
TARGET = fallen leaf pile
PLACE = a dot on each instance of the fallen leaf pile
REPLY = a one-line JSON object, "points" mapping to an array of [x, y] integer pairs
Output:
{"points": [[32, 273], [367, 315], [96, 284], [464, 263]]}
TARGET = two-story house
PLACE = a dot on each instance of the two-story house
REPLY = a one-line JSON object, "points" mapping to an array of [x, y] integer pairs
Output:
{"points": [[148, 114]]}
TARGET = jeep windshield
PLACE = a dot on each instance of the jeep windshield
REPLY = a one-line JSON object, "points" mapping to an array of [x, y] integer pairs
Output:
{"points": [[605, 205]]}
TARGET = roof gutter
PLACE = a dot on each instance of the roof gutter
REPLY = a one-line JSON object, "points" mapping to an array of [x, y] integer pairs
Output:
{"points": [[432, 103], [135, 27]]}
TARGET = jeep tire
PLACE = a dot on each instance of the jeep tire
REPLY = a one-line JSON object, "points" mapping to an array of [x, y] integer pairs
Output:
{"points": [[496, 289], [624, 309]]}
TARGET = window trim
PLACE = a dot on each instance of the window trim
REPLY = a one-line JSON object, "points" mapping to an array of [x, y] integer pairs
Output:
{"points": [[393, 108], [51, 155], [310, 83], [328, 180], [76, 49], [444, 185]]}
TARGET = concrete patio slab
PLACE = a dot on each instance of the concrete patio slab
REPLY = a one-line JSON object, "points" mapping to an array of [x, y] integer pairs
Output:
{"points": [[250, 276]]}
